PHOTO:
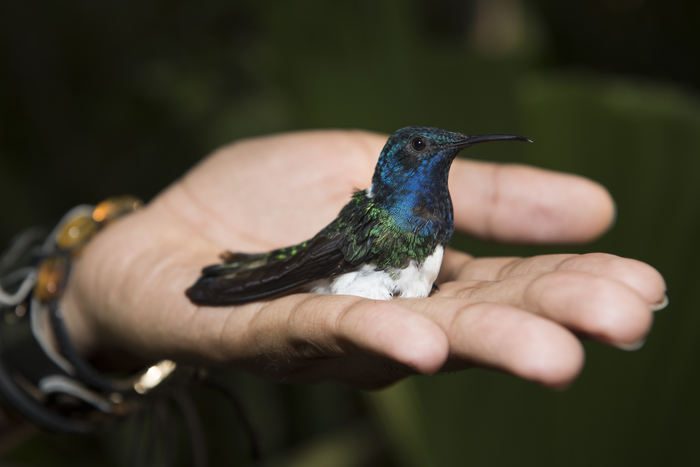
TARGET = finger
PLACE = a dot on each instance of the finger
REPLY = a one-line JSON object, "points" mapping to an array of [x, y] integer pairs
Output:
{"points": [[300, 330], [506, 338], [520, 204], [596, 306], [638, 276]]}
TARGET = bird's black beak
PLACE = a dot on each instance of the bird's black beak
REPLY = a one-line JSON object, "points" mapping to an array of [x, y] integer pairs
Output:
{"points": [[471, 140]]}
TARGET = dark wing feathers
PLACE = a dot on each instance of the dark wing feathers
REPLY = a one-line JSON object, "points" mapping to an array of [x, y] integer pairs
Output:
{"points": [[340, 247], [254, 277]]}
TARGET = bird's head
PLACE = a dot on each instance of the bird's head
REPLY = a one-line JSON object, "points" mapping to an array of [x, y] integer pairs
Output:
{"points": [[416, 153]]}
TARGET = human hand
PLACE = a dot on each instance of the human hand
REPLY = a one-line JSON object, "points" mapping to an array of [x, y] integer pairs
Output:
{"points": [[126, 292]]}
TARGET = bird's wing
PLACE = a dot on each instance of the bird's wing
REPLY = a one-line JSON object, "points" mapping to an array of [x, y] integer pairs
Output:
{"points": [[345, 244], [247, 278]]}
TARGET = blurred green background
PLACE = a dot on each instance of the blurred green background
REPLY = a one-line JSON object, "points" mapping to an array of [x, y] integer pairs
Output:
{"points": [[111, 97]]}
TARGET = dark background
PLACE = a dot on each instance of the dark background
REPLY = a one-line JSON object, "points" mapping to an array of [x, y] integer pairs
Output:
{"points": [[112, 97]]}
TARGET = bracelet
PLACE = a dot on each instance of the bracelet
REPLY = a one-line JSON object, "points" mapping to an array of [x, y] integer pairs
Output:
{"points": [[55, 387]]}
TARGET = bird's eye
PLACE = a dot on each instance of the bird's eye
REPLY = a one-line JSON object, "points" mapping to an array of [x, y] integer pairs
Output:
{"points": [[418, 144]]}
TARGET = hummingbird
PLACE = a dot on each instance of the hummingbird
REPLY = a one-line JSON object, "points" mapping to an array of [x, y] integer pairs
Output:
{"points": [[388, 241]]}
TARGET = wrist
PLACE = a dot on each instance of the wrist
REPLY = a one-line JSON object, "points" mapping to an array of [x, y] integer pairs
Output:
{"points": [[43, 370]]}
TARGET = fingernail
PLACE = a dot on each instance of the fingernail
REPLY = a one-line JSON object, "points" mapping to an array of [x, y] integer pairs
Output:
{"points": [[661, 305], [633, 346]]}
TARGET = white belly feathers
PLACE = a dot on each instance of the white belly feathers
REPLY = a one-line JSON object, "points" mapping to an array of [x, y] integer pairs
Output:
{"points": [[368, 282]]}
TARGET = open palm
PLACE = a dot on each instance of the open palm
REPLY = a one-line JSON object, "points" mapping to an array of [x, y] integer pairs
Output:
{"points": [[126, 293]]}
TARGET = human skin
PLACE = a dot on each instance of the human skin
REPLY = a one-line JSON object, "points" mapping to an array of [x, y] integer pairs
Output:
{"points": [[126, 295]]}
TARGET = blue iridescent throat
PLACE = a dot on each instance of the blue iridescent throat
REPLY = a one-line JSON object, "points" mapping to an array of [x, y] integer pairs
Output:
{"points": [[414, 191]]}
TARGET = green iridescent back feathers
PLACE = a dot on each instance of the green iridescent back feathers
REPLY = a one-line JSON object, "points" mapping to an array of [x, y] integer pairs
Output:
{"points": [[370, 233]]}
